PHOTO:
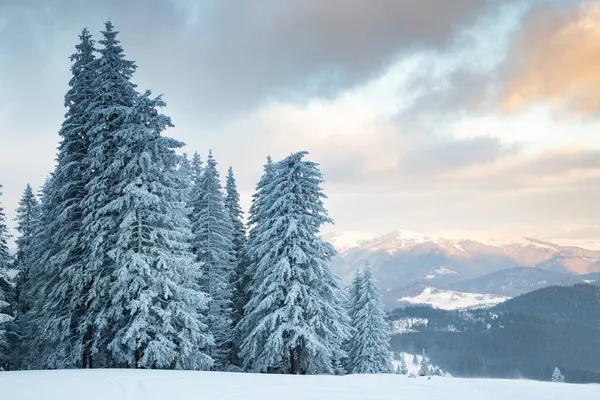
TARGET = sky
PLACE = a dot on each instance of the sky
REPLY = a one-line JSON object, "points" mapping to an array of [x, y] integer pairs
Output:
{"points": [[464, 117]]}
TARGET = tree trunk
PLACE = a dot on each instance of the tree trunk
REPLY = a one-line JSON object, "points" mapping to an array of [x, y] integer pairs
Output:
{"points": [[295, 361], [87, 348]]}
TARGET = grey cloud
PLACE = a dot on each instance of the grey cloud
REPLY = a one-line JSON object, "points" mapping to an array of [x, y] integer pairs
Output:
{"points": [[210, 57]]}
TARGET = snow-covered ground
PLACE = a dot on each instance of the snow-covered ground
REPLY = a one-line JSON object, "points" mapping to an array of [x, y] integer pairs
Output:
{"points": [[177, 385], [452, 300]]}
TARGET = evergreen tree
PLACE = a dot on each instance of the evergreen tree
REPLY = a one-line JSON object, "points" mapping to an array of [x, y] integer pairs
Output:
{"points": [[369, 350], [112, 108], [403, 369], [185, 171], [244, 273], [54, 292], [28, 214], [424, 367], [352, 305], [196, 167], [144, 304], [213, 241], [415, 360], [232, 204], [557, 376], [5, 261], [5, 258], [295, 319]]}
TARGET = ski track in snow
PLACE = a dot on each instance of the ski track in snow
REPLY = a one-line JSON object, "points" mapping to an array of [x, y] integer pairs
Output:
{"points": [[184, 385]]}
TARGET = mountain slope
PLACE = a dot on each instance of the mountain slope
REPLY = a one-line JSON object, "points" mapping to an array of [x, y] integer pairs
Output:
{"points": [[526, 336]]}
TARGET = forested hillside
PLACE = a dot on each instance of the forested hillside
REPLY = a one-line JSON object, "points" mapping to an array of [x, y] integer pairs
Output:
{"points": [[527, 336]]}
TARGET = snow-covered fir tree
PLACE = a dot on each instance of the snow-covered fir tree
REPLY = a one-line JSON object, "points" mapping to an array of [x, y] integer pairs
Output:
{"points": [[557, 376], [145, 306], [213, 242], [369, 349], [5, 258], [196, 167], [28, 215], [185, 170], [244, 273], [56, 278], [402, 367], [232, 204], [5, 288], [352, 305], [295, 320], [424, 369]]}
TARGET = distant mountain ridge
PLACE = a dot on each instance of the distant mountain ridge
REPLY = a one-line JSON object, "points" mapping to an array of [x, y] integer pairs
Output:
{"points": [[402, 259]]}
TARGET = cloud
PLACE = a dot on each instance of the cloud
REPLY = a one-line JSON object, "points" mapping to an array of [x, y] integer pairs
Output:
{"points": [[222, 57], [554, 60]]}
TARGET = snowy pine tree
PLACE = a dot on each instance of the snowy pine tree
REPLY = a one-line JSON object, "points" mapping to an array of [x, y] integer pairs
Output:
{"points": [[28, 215], [232, 204], [5, 258], [5, 261], [213, 242], [145, 307], [196, 167], [185, 171], [402, 368], [369, 350], [295, 319], [55, 284], [352, 306], [424, 366], [557, 376], [244, 273]]}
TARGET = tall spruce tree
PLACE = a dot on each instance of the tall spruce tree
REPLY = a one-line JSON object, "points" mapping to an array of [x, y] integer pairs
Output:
{"points": [[5, 258], [145, 308], [28, 215], [232, 204], [402, 368], [369, 350], [57, 261], [424, 369], [353, 292], [185, 170], [213, 241], [295, 319], [244, 273], [196, 167]]}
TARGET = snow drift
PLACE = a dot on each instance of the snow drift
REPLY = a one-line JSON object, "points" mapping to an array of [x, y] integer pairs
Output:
{"points": [[187, 385]]}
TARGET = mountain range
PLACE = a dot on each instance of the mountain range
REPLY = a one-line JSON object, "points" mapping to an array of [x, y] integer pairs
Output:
{"points": [[408, 265]]}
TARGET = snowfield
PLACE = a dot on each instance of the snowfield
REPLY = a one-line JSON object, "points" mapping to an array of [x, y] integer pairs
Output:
{"points": [[451, 300], [186, 385]]}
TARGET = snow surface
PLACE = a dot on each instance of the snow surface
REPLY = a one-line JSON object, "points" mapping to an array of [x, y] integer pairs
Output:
{"points": [[187, 385], [451, 300]]}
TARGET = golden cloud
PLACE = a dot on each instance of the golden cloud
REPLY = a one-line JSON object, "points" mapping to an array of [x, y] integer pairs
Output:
{"points": [[557, 58]]}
